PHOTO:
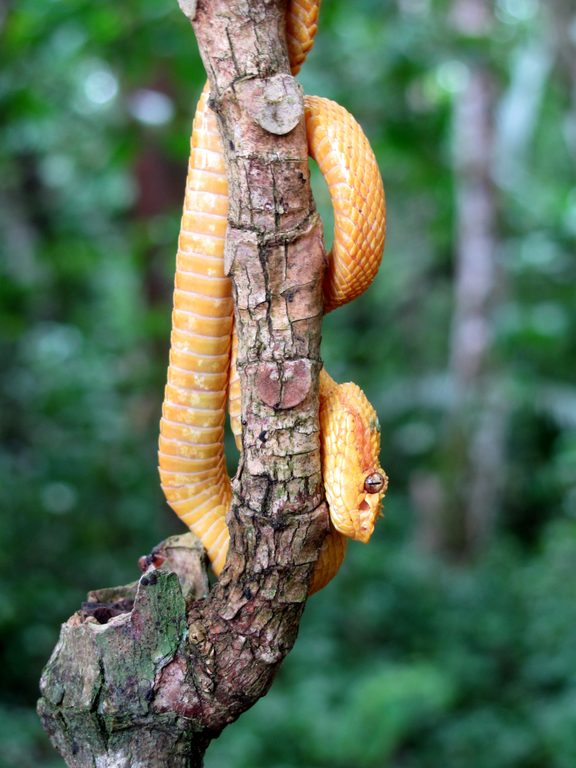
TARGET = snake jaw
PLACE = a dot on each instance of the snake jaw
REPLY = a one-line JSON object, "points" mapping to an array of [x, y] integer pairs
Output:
{"points": [[369, 509], [355, 483], [356, 519], [365, 523]]}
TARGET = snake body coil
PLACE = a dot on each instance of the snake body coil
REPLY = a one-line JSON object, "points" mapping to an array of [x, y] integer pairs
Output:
{"points": [[201, 378]]}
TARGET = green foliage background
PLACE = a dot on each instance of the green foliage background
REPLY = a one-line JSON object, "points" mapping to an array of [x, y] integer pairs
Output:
{"points": [[406, 660]]}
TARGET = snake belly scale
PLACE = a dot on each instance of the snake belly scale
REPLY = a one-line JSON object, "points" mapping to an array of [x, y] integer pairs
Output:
{"points": [[202, 379]]}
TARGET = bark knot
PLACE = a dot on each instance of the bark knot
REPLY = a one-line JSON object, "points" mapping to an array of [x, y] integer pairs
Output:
{"points": [[284, 385], [275, 103]]}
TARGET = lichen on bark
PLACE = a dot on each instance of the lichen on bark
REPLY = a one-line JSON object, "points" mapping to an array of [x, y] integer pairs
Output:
{"points": [[152, 682]]}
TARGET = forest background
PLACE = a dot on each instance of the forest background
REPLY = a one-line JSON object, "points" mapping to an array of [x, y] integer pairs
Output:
{"points": [[450, 640]]}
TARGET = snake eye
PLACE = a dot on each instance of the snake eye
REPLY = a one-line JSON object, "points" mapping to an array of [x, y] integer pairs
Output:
{"points": [[374, 483]]}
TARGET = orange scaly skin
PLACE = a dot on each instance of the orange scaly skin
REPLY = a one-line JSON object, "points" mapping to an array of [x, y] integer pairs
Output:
{"points": [[346, 160], [192, 466], [350, 439], [201, 375]]}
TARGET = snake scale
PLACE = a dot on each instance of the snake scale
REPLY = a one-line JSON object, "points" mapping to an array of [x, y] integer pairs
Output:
{"points": [[202, 378]]}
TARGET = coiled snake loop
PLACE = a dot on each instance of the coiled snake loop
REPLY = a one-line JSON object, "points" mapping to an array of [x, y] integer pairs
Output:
{"points": [[201, 378]]}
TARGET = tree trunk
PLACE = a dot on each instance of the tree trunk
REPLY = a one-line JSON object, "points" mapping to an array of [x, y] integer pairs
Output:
{"points": [[463, 498], [148, 675], [563, 18], [477, 460]]}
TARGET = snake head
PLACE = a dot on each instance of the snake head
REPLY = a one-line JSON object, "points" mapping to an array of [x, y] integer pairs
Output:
{"points": [[354, 482]]}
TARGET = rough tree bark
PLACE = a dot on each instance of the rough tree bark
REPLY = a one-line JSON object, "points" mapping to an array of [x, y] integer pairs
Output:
{"points": [[149, 674]]}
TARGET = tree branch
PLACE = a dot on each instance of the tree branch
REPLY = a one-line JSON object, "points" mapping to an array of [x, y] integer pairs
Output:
{"points": [[151, 686]]}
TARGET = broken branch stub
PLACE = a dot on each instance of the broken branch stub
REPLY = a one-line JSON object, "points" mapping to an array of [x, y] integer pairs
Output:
{"points": [[154, 684]]}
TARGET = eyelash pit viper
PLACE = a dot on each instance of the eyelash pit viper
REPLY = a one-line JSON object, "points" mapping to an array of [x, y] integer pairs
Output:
{"points": [[202, 376]]}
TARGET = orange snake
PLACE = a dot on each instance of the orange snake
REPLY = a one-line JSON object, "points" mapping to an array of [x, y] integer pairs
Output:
{"points": [[201, 376]]}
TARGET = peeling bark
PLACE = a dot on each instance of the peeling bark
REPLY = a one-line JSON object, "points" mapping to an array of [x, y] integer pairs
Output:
{"points": [[153, 684]]}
